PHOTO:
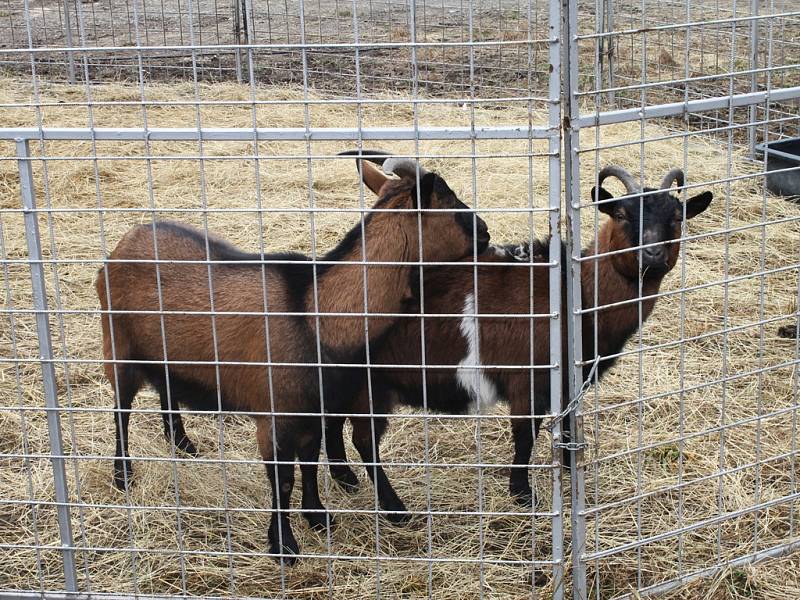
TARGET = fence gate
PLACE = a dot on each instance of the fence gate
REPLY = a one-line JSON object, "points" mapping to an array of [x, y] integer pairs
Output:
{"points": [[686, 450], [229, 115]]}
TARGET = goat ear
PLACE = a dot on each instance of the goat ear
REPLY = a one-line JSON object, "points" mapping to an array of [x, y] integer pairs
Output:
{"points": [[433, 190], [602, 194], [372, 177], [697, 204], [612, 209]]}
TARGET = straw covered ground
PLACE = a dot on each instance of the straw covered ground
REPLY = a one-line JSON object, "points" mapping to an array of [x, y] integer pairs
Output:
{"points": [[673, 480]]}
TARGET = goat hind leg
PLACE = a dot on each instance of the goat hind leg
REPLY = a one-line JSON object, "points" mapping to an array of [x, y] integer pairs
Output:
{"points": [[126, 381]]}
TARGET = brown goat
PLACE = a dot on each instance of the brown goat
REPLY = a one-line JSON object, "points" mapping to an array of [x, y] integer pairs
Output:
{"points": [[191, 316], [463, 344]]}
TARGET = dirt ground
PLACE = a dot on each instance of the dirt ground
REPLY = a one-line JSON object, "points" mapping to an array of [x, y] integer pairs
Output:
{"points": [[510, 58]]}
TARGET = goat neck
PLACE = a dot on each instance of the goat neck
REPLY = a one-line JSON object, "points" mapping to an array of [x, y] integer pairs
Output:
{"points": [[340, 286], [608, 280]]}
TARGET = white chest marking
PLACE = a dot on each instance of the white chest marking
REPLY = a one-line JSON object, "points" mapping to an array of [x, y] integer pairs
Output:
{"points": [[469, 374]]}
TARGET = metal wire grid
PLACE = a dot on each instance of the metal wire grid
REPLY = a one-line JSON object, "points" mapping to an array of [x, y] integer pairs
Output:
{"points": [[78, 547], [229, 27], [594, 557], [78, 458], [700, 51], [636, 41], [117, 23], [694, 49], [662, 454]]}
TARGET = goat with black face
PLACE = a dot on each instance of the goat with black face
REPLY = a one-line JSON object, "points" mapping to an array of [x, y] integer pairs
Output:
{"points": [[628, 273]]}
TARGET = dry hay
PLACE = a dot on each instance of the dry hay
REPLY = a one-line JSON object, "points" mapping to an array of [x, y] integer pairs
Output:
{"points": [[107, 529]]}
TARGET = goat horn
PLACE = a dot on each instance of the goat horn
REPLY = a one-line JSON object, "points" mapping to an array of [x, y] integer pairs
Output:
{"points": [[374, 156], [626, 178], [674, 175], [403, 167]]}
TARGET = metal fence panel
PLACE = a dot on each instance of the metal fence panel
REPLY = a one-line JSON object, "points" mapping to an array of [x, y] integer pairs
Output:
{"points": [[141, 111], [228, 115], [689, 464]]}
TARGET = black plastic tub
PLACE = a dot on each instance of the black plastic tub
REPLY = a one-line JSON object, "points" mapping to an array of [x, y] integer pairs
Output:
{"points": [[783, 155]]}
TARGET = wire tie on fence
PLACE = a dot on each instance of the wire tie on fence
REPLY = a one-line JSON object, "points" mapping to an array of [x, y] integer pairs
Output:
{"points": [[573, 404]]}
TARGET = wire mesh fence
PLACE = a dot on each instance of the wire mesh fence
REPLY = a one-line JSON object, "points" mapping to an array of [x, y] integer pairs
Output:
{"points": [[707, 379], [596, 405]]}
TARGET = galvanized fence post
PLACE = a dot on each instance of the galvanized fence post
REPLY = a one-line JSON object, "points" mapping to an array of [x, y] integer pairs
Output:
{"points": [[237, 38], [610, 50], [572, 304], [242, 12], [68, 36], [754, 43], [556, 300], [46, 358]]}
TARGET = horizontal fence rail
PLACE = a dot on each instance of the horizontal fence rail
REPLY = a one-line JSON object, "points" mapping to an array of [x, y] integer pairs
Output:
{"points": [[393, 133]]}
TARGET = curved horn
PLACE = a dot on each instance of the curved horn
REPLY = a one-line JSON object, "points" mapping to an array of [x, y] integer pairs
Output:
{"points": [[403, 167], [674, 175], [374, 156], [372, 177], [626, 178]]}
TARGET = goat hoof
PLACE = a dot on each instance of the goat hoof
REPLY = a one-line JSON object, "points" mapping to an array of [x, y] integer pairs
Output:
{"points": [[399, 515], [789, 332], [187, 447], [398, 518], [120, 483], [320, 519], [523, 497], [122, 476], [286, 554], [345, 479]]}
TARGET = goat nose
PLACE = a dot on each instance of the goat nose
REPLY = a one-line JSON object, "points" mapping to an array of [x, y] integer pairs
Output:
{"points": [[654, 253]]}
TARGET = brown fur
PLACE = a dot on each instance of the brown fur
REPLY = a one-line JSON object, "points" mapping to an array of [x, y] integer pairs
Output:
{"points": [[387, 286], [140, 296], [502, 341]]}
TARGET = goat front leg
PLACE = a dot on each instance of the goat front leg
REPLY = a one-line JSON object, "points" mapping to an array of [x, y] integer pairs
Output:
{"points": [[525, 430], [519, 483], [334, 447], [280, 471], [362, 438], [308, 452]]}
